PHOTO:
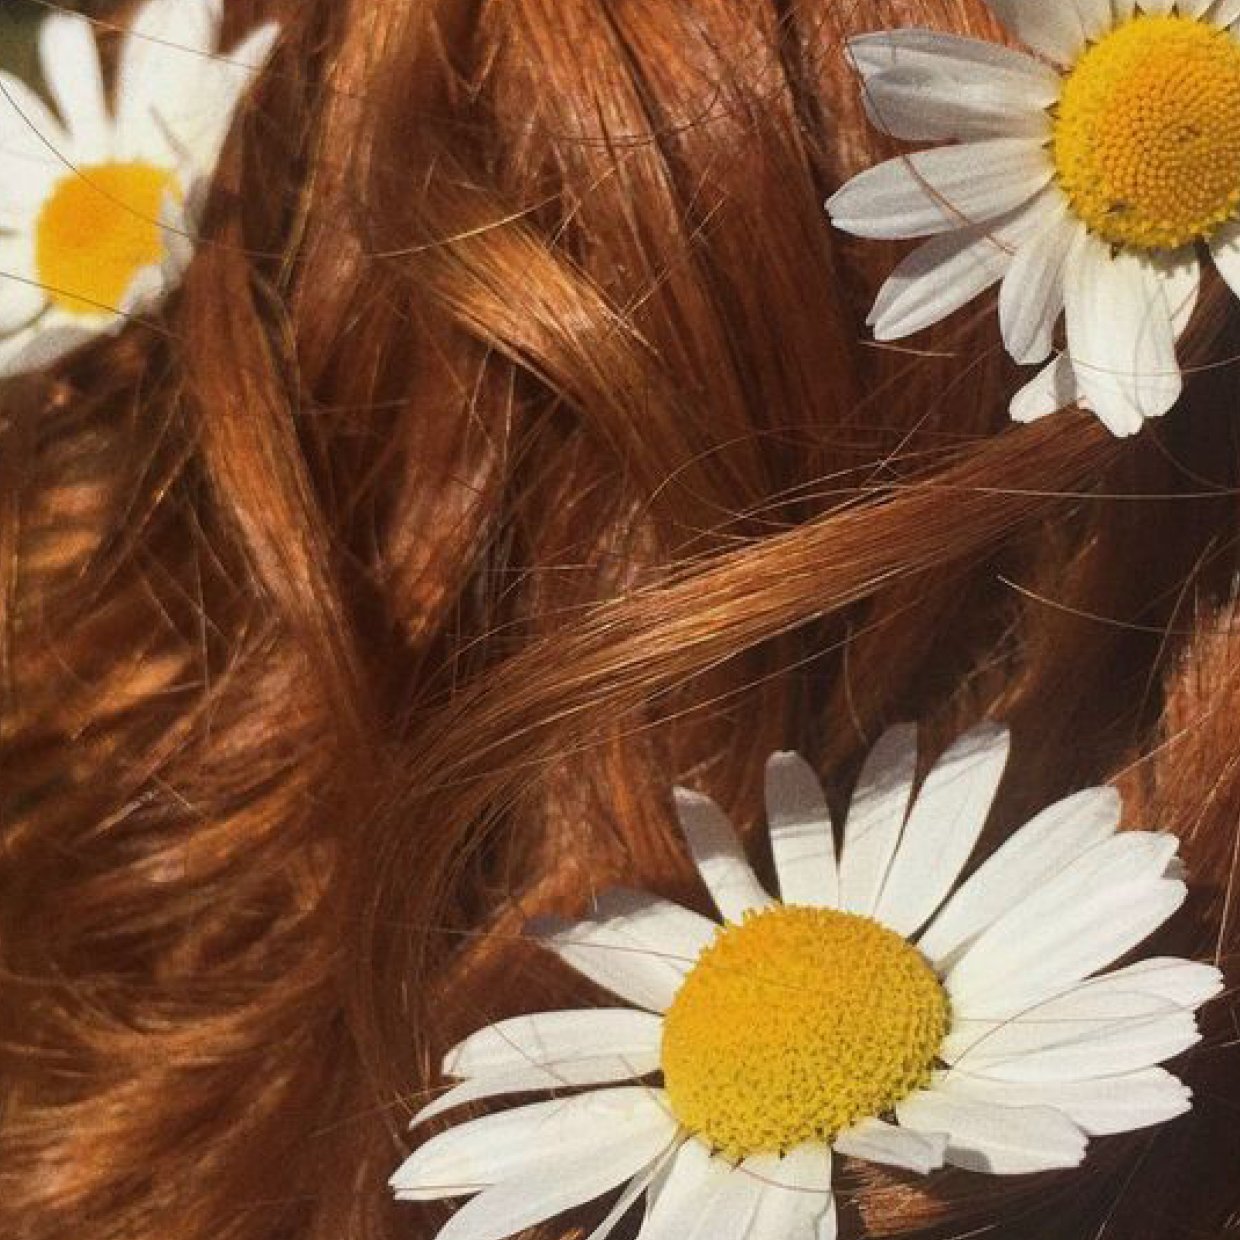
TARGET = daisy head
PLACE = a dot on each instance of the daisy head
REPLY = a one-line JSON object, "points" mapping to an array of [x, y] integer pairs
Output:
{"points": [[1087, 177], [97, 199], [879, 1009]]}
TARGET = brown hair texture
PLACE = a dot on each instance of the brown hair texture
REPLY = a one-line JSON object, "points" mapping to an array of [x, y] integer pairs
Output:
{"points": [[513, 450]]}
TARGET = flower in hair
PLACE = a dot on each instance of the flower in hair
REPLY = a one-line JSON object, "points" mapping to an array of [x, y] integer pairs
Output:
{"points": [[880, 1009], [1089, 178], [98, 202]]}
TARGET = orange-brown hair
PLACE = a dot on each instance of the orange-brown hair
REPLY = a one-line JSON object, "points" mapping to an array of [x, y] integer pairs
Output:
{"points": [[513, 449]]}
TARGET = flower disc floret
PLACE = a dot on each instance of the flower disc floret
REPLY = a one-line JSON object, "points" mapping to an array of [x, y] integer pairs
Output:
{"points": [[1147, 132], [97, 230], [797, 1023]]}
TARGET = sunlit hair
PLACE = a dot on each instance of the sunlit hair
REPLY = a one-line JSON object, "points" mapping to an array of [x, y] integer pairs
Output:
{"points": [[512, 451]]}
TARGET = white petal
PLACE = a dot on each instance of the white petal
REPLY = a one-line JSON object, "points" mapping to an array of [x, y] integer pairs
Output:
{"points": [[878, 1142], [1053, 29], [1120, 336], [552, 1183], [1096, 17], [21, 296], [998, 1140], [1194, 8], [628, 966], [1181, 276], [937, 278], [1226, 12], [802, 843], [1053, 389], [1225, 250], [943, 827], [1185, 983], [949, 57], [638, 1185], [71, 69], [550, 1037], [1124, 9], [37, 347], [719, 856], [923, 86], [795, 1193], [1031, 298], [876, 818], [940, 190], [35, 152], [702, 1198], [510, 1145], [1072, 927], [1101, 1107], [671, 931], [1033, 855], [1076, 1036], [1157, 6]]}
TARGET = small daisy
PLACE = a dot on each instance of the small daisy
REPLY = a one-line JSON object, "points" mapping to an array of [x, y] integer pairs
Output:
{"points": [[97, 203], [869, 1012], [1088, 178]]}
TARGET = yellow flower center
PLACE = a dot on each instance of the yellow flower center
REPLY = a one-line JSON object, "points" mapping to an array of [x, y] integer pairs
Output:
{"points": [[97, 230], [796, 1024], [1147, 132]]}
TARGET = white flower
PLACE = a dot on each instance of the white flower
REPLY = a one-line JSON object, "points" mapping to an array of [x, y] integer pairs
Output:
{"points": [[872, 1014], [1088, 178], [97, 204]]}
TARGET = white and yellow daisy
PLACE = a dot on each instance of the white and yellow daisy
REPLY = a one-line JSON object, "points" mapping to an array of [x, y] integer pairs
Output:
{"points": [[98, 203], [1087, 177], [870, 1012]]}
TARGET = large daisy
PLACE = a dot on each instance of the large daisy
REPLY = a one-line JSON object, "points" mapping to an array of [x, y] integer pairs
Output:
{"points": [[1088, 177], [878, 1009], [97, 202]]}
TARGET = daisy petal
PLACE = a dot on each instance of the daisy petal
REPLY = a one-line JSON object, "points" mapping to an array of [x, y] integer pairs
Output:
{"points": [[937, 278], [1077, 1036], [21, 297], [795, 1193], [1031, 298], [879, 1142], [1054, 938], [1225, 250], [669, 930], [1181, 276], [998, 1140], [610, 1134], [70, 63], [41, 345], [802, 843], [1033, 855], [637, 1186], [35, 152], [942, 189], [943, 826], [1120, 336], [719, 856], [551, 1037], [876, 818], [1053, 30], [1054, 388], [616, 961], [578, 1172], [1185, 983], [1226, 13], [703, 1198], [1101, 1107]]}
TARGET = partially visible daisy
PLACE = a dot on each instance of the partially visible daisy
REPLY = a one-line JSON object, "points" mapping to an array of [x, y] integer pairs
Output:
{"points": [[1088, 178], [872, 1011], [97, 203]]}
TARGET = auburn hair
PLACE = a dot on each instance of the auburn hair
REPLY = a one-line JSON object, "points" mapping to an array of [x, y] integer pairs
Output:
{"points": [[513, 450]]}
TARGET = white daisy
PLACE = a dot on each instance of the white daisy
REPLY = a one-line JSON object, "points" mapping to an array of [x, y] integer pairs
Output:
{"points": [[870, 1014], [97, 203], [1087, 177]]}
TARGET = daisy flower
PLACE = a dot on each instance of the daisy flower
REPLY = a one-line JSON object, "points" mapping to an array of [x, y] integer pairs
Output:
{"points": [[97, 202], [880, 1009], [1089, 177]]}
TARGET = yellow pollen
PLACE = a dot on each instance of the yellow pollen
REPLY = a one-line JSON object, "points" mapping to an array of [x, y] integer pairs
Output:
{"points": [[1147, 133], [97, 230], [796, 1024]]}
